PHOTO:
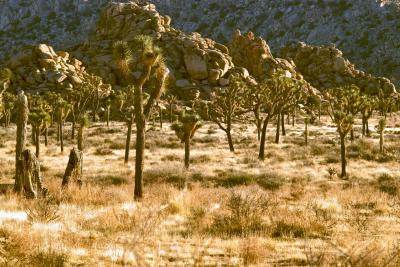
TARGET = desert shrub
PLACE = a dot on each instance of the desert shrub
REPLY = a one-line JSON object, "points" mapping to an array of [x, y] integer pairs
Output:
{"points": [[298, 227], [171, 157], [43, 210], [117, 145], [103, 151], [270, 182], [252, 251], [232, 179], [244, 215], [388, 184], [200, 159], [50, 257], [176, 180], [111, 180]]}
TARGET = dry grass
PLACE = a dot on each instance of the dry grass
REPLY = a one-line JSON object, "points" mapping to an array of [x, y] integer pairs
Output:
{"points": [[228, 209]]}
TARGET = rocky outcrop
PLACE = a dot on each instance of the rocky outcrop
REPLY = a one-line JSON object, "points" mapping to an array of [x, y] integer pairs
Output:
{"points": [[254, 54], [39, 68], [326, 67], [195, 62]]}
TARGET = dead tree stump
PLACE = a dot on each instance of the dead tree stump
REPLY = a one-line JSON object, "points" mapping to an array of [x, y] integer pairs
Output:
{"points": [[22, 120], [74, 168], [31, 178]]}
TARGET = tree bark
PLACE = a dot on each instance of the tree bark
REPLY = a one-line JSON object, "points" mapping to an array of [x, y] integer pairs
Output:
{"points": [[61, 136], [74, 168], [46, 136], [381, 142], [80, 138], [363, 126], [33, 135], [343, 155], [108, 115], [128, 140], [367, 128], [73, 129], [161, 117], [140, 142], [352, 135], [230, 141], [187, 152], [261, 154], [283, 124], [278, 126], [31, 182], [22, 120], [37, 142]]}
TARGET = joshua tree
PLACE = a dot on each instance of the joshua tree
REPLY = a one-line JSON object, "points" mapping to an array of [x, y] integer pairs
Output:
{"points": [[8, 100], [83, 123], [170, 99], [380, 128], [276, 94], [339, 101], [22, 120], [226, 107], [138, 68], [185, 128], [306, 122], [62, 111], [368, 106], [39, 118]]}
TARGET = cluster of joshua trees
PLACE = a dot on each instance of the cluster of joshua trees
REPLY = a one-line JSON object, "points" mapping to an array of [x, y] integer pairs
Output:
{"points": [[145, 75]]}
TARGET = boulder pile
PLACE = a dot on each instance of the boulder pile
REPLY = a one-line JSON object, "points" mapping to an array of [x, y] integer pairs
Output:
{"points": [[195, 62], [254, 54], [325, 67], [39, 68]]}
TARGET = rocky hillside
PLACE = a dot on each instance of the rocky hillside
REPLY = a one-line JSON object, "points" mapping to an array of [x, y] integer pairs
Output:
{"points": [[367, 31]]}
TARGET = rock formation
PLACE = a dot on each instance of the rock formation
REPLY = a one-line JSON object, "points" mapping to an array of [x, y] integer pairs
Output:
{"points": [[40, 68], [196, 62], [325, 67]]}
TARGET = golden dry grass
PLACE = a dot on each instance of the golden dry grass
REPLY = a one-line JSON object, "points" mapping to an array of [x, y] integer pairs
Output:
{"points": [[229, 209]]}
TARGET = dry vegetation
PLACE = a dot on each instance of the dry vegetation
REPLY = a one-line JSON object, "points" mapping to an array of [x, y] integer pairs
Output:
{"points": [[228, 209]]}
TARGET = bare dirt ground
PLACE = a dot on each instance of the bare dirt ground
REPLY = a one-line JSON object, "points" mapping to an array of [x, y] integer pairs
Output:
{"points": [[290, 210]]}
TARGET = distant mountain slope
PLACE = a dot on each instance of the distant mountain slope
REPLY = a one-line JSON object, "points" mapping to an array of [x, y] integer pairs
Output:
{"points": [[367, 31]]}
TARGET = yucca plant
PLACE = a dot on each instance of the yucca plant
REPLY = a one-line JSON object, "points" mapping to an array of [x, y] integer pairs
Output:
{"points": [[39, 118], [138, 64], [380, 128], [185, 128]]}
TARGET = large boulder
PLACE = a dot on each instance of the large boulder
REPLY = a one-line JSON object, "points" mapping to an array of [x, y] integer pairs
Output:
{"points": [[39, 68], [325, 67], [200, 61]]}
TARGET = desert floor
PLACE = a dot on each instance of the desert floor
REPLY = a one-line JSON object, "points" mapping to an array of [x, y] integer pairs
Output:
{"points": [[233, 211]]}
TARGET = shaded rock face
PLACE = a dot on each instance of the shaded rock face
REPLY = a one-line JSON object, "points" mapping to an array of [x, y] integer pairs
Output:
{"points": [[367, 31], [194, 61], [325, 67], [39, 69], [254, 54]]}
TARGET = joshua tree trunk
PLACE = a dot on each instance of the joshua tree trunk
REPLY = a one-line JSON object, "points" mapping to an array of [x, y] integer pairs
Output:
{"points": [[278, 126], [128, 140], [283, 125], [230, 142], [293, 118], [33, 135], [46, 136], [161, 117], [187, 152], [367, 128], [80, 137], [61, 135], [140, 142], [22, 120], [58, 132], [352, 135], [363, 126], [306, 133], [31, 182], [108, 115], [343, 155], [37, 141], [73, 129], [381, 142], [170, 113], [261, 154], [74, 168]]}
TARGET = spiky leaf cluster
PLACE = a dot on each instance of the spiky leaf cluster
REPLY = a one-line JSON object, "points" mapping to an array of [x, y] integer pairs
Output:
{"points": [[186, 126]]}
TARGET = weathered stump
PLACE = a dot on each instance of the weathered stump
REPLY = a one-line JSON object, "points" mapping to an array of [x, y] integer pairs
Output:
{"points": [[74, 168], [22, 120], [29, 172]]}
